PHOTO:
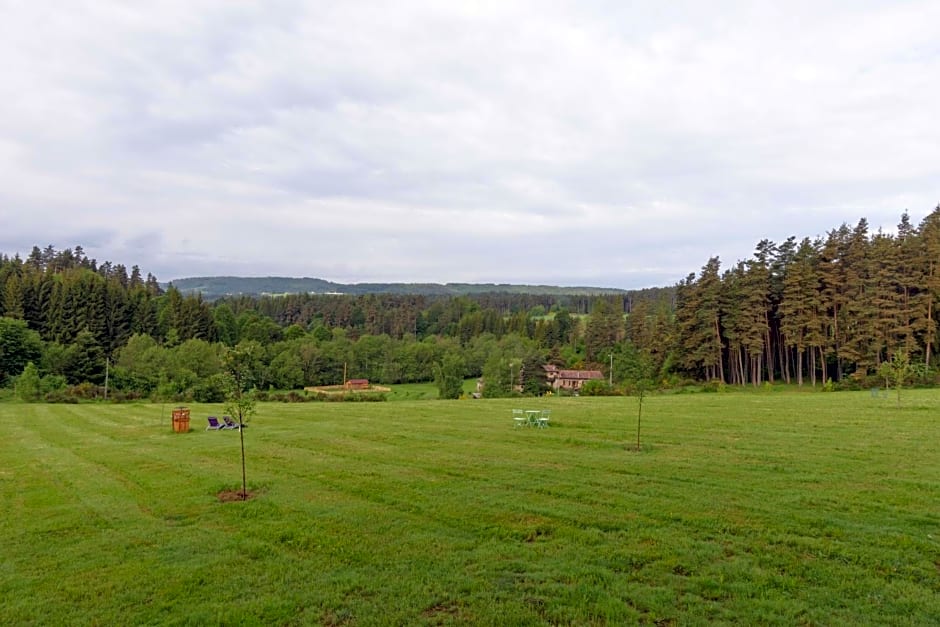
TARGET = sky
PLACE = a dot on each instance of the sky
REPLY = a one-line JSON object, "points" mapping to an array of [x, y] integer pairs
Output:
{"points": [[611, 144]]}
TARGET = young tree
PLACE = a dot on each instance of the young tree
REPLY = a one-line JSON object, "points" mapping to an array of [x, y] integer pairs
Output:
{"points": [[896, 371], [640, 373], [241, 366]]}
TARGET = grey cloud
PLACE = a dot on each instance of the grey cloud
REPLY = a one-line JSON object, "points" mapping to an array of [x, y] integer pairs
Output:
{"points": [[360, 141]]}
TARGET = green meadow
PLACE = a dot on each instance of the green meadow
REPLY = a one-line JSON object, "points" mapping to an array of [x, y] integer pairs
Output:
{"points": [[769, 507]]}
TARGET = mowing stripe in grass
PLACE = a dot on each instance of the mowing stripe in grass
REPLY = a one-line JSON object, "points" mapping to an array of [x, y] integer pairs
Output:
{"points": [[755, 508]]}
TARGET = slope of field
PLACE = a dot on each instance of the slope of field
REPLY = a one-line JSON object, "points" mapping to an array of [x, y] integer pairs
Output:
{"points": [[763, 508]]}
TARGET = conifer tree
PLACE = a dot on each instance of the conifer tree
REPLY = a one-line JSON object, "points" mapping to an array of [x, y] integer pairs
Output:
{"points": [[799, 307], [929, 235], [733, 322], [603, 330]]}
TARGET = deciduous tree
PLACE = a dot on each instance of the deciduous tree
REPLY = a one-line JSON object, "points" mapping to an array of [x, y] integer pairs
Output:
{"points": [[241, 364]]}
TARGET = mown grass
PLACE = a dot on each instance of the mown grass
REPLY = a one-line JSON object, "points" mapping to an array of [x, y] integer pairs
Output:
{"points": [[412, 392], [780, 508], [424, 391]]}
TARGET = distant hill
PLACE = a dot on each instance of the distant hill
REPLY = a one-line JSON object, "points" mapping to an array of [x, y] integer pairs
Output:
{"points": [[218, 286]]}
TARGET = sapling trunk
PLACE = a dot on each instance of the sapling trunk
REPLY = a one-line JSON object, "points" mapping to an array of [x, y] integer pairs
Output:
{"points": [[639, 415], [241, 434]]}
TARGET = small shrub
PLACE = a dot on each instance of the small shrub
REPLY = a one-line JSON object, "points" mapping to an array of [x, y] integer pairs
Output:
{"points": [[60, 396], [124, 396], [671, 381], [365, 397], [296, 397], [291, 396], [715, 385], [86, 391], [597, 387]]}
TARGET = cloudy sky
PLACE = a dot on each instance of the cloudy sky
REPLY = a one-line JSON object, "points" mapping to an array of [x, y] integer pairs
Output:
{"points": [[615, 143]]}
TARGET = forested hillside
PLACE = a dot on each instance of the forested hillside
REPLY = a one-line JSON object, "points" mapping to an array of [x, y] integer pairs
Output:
{"points": [[803, 311], [215, 287]]}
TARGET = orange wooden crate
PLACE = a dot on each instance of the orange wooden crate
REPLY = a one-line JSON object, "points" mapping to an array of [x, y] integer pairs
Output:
{"points": [[181, 420]]}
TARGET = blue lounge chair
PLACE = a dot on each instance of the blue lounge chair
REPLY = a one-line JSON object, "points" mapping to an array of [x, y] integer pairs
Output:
{"points": [[214, 424]]}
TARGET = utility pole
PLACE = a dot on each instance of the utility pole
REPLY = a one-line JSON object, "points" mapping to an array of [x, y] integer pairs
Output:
{"points": [[510, 376], [611, 373]]}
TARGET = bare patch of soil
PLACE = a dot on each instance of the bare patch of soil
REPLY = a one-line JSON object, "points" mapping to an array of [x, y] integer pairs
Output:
{"points": [[441, 610], [228, 496]]}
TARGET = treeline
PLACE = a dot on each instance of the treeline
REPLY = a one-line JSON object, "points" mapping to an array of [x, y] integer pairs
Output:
{"points": [[72, 315], [62, 295], [79, 322], [834, 308], [215, 287], [422, 315], [830, 308]]}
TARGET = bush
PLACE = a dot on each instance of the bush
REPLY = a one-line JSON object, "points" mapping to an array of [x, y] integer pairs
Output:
{"points": [[121, 396], [60, 396], [355, 397], [27, 384], [632, 388], [52, 383], [715, 385], [296, 397], [365, 397], [597, 387], [291, 396], [210, 390], [86, 391]]}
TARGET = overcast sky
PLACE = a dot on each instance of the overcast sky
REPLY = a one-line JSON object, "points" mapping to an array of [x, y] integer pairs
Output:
{"points": [[616, 144]]}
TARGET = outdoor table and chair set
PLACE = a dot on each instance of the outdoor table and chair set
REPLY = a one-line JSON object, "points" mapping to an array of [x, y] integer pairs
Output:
{"points": [[531, 417]]}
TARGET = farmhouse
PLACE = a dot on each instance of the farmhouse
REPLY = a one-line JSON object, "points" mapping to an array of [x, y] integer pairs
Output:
{"points": [[569, 380]]}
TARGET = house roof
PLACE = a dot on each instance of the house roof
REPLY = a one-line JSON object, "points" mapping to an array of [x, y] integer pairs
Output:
{"points": [[580, 374]]}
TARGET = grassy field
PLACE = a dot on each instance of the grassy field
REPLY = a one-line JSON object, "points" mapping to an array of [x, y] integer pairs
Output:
{"points": [[424, 391], [773, 508], [413, 392]]}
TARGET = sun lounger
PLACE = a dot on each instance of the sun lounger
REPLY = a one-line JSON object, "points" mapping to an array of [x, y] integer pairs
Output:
{"points": [[214, 424]]}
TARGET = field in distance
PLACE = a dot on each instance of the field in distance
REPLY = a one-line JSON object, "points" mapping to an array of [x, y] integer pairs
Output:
{"points": [[778, 508]]}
